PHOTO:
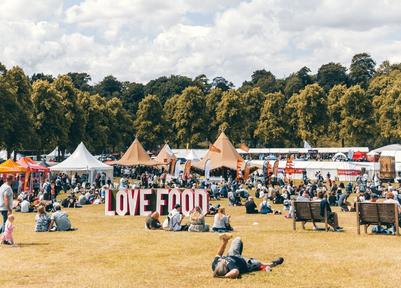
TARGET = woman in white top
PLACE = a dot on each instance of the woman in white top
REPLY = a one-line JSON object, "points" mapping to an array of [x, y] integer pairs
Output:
{"points": [[221, 221]]}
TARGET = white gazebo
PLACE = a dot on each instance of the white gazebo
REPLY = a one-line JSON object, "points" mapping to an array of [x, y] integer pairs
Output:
{"points": [[83, 162]]}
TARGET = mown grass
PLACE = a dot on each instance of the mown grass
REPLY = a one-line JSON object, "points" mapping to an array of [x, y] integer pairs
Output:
{"points": [[118, 252]]}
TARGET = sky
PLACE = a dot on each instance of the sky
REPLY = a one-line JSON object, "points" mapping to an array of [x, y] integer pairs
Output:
{"points": [[140, 40]]}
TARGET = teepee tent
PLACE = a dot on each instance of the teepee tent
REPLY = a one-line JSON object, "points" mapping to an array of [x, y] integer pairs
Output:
{"points": [[82, 161], [222, 154], [136, 155], [165, 155]]}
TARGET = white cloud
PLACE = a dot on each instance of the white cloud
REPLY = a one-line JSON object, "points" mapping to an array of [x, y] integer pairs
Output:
{"points": [[139, 40]]}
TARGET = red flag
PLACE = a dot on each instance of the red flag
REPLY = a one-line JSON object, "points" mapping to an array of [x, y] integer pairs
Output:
{"points": [[247, 170], [172, 166], [275, 167], [239, 165], [187, 169]]}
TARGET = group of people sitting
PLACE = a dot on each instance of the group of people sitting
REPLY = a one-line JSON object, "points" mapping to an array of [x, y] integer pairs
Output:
{"points": [[196, 223], [57, 221]]}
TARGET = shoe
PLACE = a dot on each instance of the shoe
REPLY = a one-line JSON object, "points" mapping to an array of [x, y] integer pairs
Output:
{"points": [[278, 261]]}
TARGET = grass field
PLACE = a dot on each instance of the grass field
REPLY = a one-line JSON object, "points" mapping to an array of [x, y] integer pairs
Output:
{"points": [[118, 252]]}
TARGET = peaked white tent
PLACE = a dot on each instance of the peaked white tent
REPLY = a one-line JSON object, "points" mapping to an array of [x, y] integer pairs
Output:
{"points": [[54, 154], [81, 162]]}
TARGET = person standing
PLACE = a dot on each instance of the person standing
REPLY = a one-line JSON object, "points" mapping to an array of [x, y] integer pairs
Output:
{"points": [[6, 200]]}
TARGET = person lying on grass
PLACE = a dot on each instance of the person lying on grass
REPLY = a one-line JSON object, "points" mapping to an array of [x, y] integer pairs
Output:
{"points": [[234, 264]]}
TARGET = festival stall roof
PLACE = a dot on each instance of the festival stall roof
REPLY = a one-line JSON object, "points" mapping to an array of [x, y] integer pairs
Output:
{"points": [[81, 160], [10, 166], [31, 165], [388, 150], [135, 156], [165, 155], [183, 153], [224, 156], [302, 150]]}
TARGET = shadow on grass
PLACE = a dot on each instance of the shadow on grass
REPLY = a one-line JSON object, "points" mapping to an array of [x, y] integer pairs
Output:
{"points": [[30, 244]]}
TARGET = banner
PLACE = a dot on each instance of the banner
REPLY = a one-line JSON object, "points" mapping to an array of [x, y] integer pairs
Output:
{"points": [[172, 166], [187, 169], [348, 172], [177, 168], [247, 170], [143, 202], [275, 168], [239, 166], [207, 169]]}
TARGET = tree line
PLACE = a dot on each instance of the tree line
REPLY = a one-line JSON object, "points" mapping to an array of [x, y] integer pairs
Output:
{"points": [[338, 106]]}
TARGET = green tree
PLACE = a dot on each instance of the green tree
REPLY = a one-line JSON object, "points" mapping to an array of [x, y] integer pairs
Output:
{"points": [[297, 81], [362, 69], [41, 76], [81, 81], [309, 113], [189, 117], [212, 101], [166, 87], [334, 109], [23, 132], [356, 117], [222, 83], [109, 87], [229, 115], [331, 74], [75, 118], [251, 101], [169, 110], [132, 94], [271, 127], [202, 82], [120, 124], [149, 122], [97, 124], [49, 114], [265, 80]]}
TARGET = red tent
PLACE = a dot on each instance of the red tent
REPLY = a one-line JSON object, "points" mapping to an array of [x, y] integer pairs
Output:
{"points": [[358, 155], [32, 166]]}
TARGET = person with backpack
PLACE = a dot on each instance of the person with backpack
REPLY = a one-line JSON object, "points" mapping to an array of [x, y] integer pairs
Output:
{"points": [[175, 218]]}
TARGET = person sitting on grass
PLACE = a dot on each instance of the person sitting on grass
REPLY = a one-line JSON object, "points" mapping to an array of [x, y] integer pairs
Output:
{"points": [[197, 221], [250, 206], [221, 221], [332, 217], [42, 220], [175, 218], [265, 207], [234, 264], [60, 221], [152, 221]]}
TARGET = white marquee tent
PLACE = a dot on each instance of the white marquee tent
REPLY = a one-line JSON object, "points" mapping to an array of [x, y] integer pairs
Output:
{"points": [[83, 162]]}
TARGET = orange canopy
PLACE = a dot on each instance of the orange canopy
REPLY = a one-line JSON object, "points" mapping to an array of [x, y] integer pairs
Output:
{"points": [[10, 166], [165, 155], [136, 155], [221, 154], [31, 165]]}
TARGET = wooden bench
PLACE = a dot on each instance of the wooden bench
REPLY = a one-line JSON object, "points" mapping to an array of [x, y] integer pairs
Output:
{"points": [[308, 212], [376, 214]]}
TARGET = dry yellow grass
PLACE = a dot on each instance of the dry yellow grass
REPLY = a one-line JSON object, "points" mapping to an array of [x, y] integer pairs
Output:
{"points": [[118, 252]]}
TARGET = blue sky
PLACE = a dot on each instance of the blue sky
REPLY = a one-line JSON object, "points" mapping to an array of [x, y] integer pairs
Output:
{"points": [[139, 40]]}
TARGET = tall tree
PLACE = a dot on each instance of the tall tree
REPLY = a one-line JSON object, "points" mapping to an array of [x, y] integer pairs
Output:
{"points": [[42, 76], [109, 87], [188, 117], [334, 109], [265, 80], [309, 113], [120, 123], [149, 122], [356, 117], [132, 94], [49, 114], [229, 115], [222, 83], [297, 81], [331, 74], [75, 116], [24, 133], [362, 69], [251, 101], [271, 127], [212, 101], [166, 87], [81, 81]]}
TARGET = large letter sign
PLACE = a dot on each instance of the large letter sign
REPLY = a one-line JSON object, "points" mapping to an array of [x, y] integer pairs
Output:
{"points": [[143, 201]]}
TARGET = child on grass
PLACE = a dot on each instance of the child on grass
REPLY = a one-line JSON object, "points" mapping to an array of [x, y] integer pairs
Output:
{"points": [[7, 236]]}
